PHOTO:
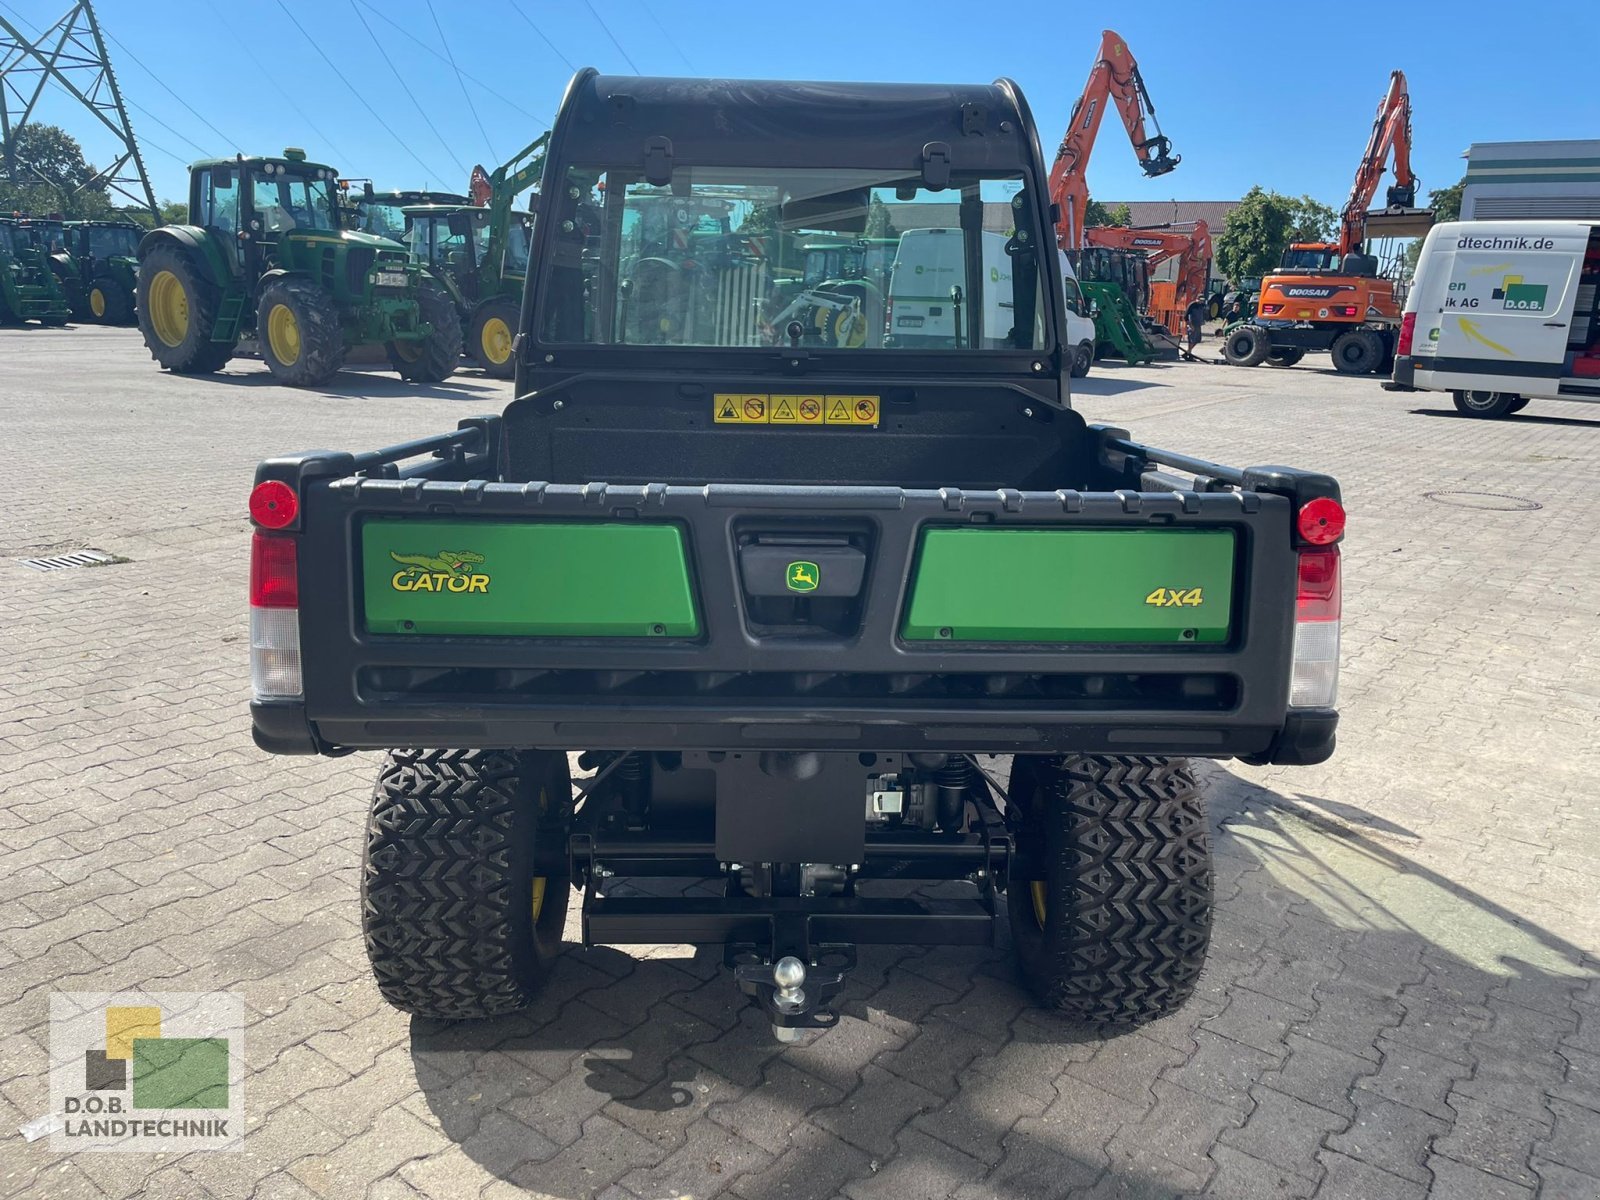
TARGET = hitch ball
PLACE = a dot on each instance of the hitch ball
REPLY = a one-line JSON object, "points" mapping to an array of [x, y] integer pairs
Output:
{"points": [[789, 972]]}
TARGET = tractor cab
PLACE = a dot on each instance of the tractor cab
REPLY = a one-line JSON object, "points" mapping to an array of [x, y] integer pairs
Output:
{"points": [[257, 200], [450, 239], [383, 213], [98, 242]]}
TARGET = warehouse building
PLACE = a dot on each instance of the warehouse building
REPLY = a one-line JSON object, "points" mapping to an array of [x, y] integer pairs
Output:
{"points": [[1532, 181]]}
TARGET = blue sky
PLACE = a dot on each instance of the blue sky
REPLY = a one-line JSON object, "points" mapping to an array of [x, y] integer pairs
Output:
{"points": [[1245, 99]]}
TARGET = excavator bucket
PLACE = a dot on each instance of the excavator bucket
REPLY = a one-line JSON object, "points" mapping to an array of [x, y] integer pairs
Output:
{"points": [[1399, 222]]}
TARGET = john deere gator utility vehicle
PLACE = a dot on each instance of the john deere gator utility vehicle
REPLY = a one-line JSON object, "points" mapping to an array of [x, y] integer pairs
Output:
{"points": [[100, 270], [29, 288], [824, 621], [266, 254]]}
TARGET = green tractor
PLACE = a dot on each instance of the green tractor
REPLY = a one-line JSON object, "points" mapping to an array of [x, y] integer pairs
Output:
{"points": [[99, 269], [267, 253], [383, 213], [483, 273], [29, 289]]}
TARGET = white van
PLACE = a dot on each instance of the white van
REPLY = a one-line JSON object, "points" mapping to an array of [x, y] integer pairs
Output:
{"points": [[1503, 312], [928, 264]]}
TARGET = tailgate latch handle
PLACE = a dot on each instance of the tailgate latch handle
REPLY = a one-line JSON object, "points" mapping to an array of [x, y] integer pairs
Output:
{"points": [[658, 161], [936, 166]]}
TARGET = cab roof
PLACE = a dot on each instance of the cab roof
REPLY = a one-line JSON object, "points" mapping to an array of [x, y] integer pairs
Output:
{"points": [[248, 160], [607, 120]]}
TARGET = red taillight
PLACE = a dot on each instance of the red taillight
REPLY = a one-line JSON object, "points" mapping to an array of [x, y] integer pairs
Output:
{"points": [[273, 505], [1319, 585], [274, 577], [1408, 329], [1320, 521]]}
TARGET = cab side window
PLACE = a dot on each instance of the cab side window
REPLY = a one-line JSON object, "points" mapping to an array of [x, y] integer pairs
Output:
{"points": [[219, 200], [1074, 296]]}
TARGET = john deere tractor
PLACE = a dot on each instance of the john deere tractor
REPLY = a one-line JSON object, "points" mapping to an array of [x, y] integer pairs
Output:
{"points": [[267, 253], [99, 268], [29, 289]]}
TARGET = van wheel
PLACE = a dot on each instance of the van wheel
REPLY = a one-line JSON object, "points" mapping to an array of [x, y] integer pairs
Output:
{"points": [[464, 890], [1487, 404], [1358, 352], [1082, 359], [1247, 346], [1110, 896]]}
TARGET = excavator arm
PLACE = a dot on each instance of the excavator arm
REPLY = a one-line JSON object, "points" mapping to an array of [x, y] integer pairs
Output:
{"points": [[1114, 78], [498, 190], [1391, 130], [1190, 244]]}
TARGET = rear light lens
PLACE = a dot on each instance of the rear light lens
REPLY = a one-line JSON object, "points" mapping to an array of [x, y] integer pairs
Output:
{"points": [[274, 619], [1269, 309], [1321, 521], [1314, 681], [273, 505], [1408, 330]]}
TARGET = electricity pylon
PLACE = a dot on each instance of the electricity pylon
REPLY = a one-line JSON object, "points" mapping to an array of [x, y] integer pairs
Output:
{"points": [[71, 53]]}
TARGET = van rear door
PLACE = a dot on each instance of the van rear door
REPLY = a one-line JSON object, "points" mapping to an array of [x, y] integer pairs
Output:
{"points": [[1506, 305]]}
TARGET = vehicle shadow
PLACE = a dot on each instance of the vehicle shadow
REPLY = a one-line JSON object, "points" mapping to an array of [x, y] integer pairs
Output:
{"points": [[1328, 935], [1101, 385], [368, 383], [1520, 418]]}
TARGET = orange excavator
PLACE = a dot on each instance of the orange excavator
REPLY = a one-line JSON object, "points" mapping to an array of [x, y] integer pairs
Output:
{"points": [[1189, 242], [1114, 79], [1330, 295]]}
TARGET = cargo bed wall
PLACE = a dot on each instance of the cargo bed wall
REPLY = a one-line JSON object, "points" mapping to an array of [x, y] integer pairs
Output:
{"points": [[968, 436]]}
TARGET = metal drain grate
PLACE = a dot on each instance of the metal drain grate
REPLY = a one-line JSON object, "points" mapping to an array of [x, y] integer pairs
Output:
{"points": [[77, 558]]}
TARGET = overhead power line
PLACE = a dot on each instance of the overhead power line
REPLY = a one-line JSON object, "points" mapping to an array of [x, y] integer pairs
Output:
{"points": [[410, 92], [287, 93], [198, 115], [462, 83], [596, 14], [676, 49], [376, 116], [554, 49], [506, 100]]}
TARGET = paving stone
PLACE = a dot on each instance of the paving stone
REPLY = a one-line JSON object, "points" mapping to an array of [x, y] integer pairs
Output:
{"points": [[978, 1117], [1461, 1182], [921, 1166], [1283, 1130], [711, 1159], [1241, 1176], [1351, 1179], [1415, 1078], [816, 1166], [1493, 1139], [1221, 1069], [873, 1114], [1557, 1182], [1319, 1074], [1390, 1136], [602, 1154], [1575, 1141], [768, 1115]]}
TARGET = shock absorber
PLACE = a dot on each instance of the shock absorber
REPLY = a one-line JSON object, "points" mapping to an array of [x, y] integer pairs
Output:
{"points": [[953, 780], [633, 787]]}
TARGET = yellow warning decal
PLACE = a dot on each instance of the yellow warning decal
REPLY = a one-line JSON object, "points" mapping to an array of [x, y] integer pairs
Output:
{"points": [[740, 408], [851, 410], [796, 410]]}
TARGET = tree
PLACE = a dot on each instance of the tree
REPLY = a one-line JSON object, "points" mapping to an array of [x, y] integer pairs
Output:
{"points": [[1098, 215], [51, 175], [879, 224], [1262, 226], [1446, 201], [173, 212]]}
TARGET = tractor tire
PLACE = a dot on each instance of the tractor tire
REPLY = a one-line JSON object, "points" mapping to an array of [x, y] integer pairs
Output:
{"points": [[457, 923], [1111, 895], [297, 325], [177, 312], [1487, 404], [7, 317], [1287, 357], [433, 360], [1082, 359], [1359, 352], [108, 302], [494, 326], [1246, 346], [1214, 308]]}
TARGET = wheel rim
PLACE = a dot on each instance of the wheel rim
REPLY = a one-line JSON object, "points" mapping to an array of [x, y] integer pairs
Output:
{"points": [[169, 308], [496, 341], [1482, 399], [1036, 888], [283, 334], [97, 302], [539, 884]]}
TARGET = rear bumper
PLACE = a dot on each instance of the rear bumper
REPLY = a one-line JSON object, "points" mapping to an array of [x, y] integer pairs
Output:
{"points": [[1405, 371]]}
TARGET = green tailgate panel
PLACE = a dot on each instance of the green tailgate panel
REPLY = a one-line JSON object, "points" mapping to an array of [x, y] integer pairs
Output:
{"points": [[527, 579], [1072, 585]]}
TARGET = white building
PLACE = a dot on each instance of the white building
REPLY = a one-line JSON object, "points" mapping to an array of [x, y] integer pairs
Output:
{"points": [[1532, 181]]}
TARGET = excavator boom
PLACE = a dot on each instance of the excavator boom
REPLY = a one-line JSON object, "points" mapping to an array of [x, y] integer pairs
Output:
{"points": [[1190, 244], [1114, 78], [1391, 130]]}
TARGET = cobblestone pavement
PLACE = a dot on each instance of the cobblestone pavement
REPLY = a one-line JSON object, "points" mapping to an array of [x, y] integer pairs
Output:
{"points": [[1400, 999]]}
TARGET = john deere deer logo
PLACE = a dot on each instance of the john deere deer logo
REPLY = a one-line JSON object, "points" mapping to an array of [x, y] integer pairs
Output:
{"points": [[447, 571], [803, 577]]}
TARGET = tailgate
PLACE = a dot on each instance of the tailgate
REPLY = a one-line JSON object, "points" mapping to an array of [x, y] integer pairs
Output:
{"points": [[459, 612]]}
